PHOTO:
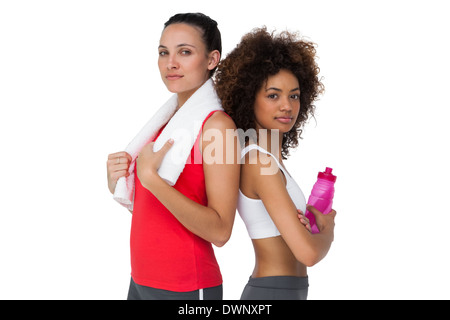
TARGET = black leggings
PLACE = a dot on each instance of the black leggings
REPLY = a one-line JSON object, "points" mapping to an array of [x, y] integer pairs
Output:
{"points": [[276, 288], [138, 292]]}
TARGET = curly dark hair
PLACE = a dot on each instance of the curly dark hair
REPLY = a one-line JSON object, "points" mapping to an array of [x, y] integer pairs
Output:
{"points": [[258, 56]]}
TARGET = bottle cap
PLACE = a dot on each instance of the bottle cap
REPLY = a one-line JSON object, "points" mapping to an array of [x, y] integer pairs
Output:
{"points": [[327, 175]]}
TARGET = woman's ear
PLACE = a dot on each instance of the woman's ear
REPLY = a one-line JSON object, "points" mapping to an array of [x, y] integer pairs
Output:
{"points": [[214, 58]]}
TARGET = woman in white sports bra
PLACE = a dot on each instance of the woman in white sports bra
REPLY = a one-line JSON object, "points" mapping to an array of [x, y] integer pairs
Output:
{"points": [[268, 85]]}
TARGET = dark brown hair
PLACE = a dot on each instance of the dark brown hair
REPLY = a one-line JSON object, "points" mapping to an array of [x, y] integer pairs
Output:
{"points": [[258, 56], [211, 34]]}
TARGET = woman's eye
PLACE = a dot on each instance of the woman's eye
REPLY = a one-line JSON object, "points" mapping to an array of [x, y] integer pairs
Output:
{"points": [[272, 96], [162, 53], [295, 96], [185, 52]]}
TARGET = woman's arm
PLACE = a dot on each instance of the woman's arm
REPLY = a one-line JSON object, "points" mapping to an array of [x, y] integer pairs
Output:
{"points": [[308, 248], [214, 222]]}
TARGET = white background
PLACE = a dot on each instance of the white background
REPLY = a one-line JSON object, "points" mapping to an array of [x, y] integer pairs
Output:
{"points": [[78, 79]]}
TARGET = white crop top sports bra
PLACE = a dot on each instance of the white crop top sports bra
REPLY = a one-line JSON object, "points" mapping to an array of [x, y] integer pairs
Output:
{"points": [[252, 211]]}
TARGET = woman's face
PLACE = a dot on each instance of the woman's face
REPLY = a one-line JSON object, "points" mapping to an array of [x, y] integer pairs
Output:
{"points": [[183, 61], [277, 103]]}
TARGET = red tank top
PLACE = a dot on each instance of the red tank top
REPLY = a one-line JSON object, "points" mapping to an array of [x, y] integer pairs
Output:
{"points": [[164, 254]]}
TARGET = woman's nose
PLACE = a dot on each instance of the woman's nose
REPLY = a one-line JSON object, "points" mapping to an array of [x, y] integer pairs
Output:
{"points": [[172, 64], [285, 105]]}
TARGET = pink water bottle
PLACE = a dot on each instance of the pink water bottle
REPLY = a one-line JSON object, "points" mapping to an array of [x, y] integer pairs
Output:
{"points": [[321, 196]]}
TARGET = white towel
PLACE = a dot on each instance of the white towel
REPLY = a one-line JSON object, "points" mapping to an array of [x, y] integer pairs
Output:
{"points": [[184, 127]]}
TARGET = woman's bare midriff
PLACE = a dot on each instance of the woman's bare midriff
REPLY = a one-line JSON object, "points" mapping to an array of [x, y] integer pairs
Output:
{"points": [[274, 258]]}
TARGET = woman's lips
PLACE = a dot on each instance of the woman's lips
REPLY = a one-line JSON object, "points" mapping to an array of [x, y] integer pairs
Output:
{"points": [[172, 77], [284, 119]]}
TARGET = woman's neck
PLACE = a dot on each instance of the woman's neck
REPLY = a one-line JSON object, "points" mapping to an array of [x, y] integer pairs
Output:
{"points": [[185, 95], [271, 140]]}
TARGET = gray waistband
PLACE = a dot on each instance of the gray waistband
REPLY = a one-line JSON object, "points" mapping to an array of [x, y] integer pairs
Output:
{"points": [[280, 282]]}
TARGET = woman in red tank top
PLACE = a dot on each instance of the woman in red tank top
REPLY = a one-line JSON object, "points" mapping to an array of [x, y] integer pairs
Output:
{"points": [[173, 227]]}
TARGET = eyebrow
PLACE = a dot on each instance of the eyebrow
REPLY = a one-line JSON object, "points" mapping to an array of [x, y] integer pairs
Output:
{"points": [[279, 90], [179, 46]]}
